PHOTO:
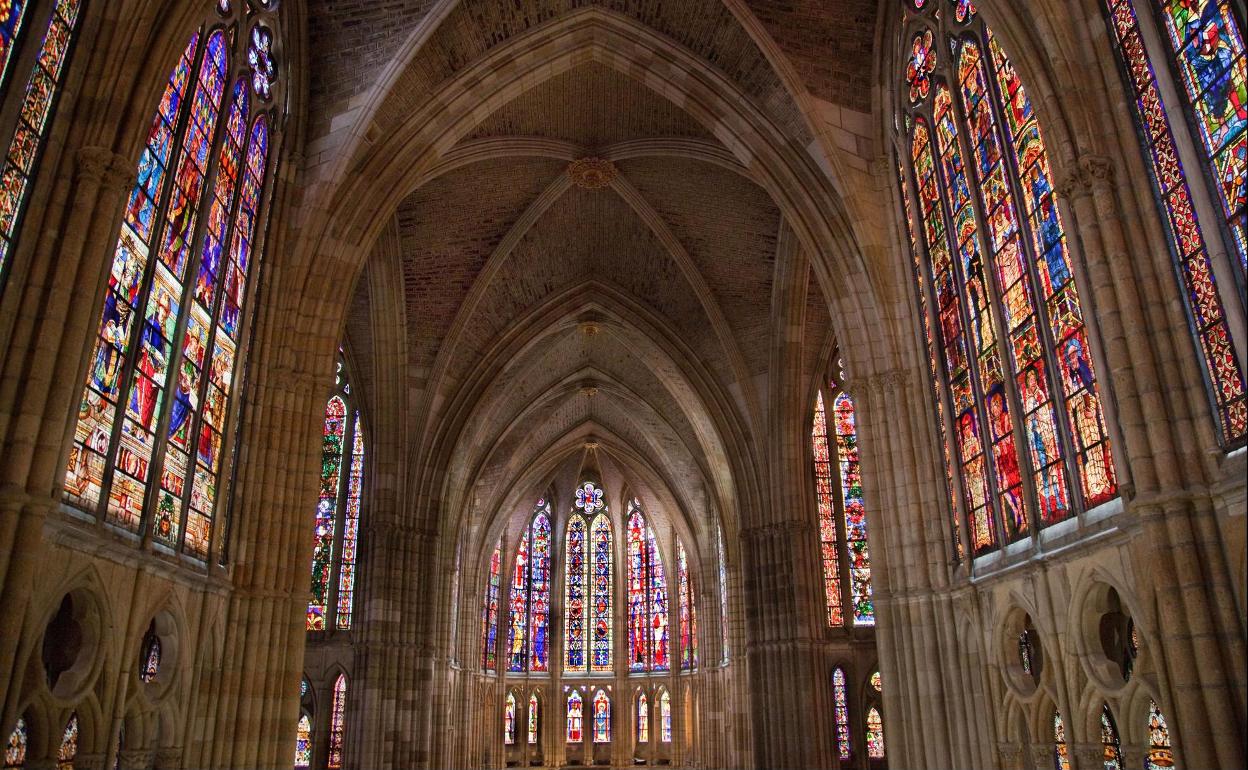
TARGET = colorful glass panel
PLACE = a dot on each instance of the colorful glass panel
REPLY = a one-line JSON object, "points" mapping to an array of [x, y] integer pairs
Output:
{"points": [[840, 713], [539, 594], [518, 601], [489, 612], [41, 91], [665, 717], [1061, 752], [829, 550], [574, 733], [647, 597], [1222, 369], [1207, 41], [338, 722], [602, 718], [876, 684], [326, 511], [149, 662], [303, 742], [509, 719], [1160, 754], [532, 720], [688, 612], [15, 749], [68, 750], [723, 591], [875, 734], [601, 587], [643, 718], [855, 511], [576, 568], [1109, 740], [350, 527], [658, 621], [919, 67]]}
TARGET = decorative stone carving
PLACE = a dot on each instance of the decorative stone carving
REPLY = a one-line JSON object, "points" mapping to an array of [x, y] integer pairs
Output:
{"points": [[589, 389], [592, 173]]}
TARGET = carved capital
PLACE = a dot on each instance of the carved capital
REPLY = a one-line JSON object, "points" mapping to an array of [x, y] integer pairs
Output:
{"points": [[1088, 755], [93, 162], [134, 759], [1042, 754], [1089, 172], [169, 759], [1010, 755]]}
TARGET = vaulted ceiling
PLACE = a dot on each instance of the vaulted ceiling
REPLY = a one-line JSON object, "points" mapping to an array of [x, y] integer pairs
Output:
{"points": [[542, 308]]}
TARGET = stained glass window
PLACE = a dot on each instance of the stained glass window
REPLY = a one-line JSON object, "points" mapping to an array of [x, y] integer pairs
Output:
{"points": [[576, 568], [840, 713], [489, 611], [602, 717], [1109, 740], [601, 577], [303, 741], [32, 120], [15, 749], [529, 600], [875, 734], [838, 497], [998, 297], [647, 597], [338, 721], [509, 719], [149, 657], [1213, 66], [643, 718], [723, 590], [1061, 752], [575, 715], [688, 612], [1206, 39], [533, 716], [665, 717], [68, 750], [876, 684], [336, 529], [1160, 754], [180, 315]]}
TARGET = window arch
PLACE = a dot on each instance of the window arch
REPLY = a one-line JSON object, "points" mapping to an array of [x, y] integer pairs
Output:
{"points": [[1206, 40], [643, 717], [1061, 752], [42, 90], [15, 749], [336, 533], [489, 610], [530, 596], [602, 717], [838, 497], [148, 453], [338, 722], [840, 713], [68, 750], [647, 596], [875, 734], [587, 599], [574, 732], [1014, 366], [303, 741], [688, 611], [665, 716], [1109, 740], [533, 716], [1160, 753], [509, 719]]}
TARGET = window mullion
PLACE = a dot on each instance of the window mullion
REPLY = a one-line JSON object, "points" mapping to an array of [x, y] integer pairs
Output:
{"points": [[134, 344], [1009, 159], [996, 300], [929, 319]]}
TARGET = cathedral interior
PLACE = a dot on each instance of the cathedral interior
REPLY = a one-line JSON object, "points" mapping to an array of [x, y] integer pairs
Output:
{"points": [[554, 383]]}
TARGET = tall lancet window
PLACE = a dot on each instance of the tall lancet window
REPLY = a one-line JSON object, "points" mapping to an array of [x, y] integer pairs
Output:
{"points": [[336, 533], [688, 611], [1205, 40], [489, 610], [841, 511], [587, 599], [59, 22], [529, 601], [647, 597], [1027, 442], [151, 446]]}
